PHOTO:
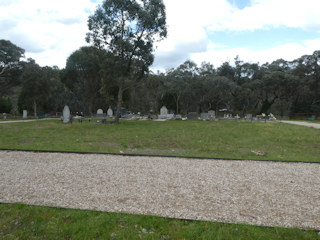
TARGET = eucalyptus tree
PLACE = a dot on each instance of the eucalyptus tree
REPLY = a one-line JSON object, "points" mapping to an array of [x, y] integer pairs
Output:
{"points": [[36, 87], [127, 29], [10, 65], [83, 77]]}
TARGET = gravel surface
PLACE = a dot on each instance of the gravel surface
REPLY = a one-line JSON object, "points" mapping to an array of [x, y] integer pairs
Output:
{"points": [[306, 124], [259, 193]]}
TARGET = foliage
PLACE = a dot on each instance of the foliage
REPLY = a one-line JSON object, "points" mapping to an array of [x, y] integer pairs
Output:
{"points": [[108, 76], [41, 89], [83, 75], [127, 30], [10, 65], [5, 105]]}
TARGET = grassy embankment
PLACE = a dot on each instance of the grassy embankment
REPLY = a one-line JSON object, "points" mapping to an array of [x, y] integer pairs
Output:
{"points": [[30, 222], [220, 139]]}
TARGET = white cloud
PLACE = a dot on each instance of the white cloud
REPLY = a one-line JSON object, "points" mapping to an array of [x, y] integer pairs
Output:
{"points": [[190, 21], [268, 14], [288, 52], [48, 30]]}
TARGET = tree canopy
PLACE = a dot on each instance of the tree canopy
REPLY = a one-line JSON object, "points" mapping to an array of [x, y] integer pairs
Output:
{"points": [[10, 65], [127, 29]]}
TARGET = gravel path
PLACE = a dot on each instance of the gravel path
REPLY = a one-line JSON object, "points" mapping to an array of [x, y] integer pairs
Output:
{"points": [[259, 193], [30, 120], [306, 124]]}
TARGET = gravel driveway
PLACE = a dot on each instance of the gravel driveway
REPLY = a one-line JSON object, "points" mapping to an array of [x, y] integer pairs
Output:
{"points": [[306, 124], [259, 193]]}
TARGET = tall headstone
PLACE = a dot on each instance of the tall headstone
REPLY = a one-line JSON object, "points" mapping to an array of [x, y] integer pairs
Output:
{"points": [[163, 111], [110, 112], [212, 114], [25, 114], [66, 114]]}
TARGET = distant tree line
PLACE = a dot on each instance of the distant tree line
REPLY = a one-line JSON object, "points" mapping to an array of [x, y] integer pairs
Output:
{"points": [[85, 84]]}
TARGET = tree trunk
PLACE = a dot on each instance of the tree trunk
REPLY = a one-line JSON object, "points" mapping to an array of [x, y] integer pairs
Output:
{"points": [[177, 104], [119, 103], [35, 108]]}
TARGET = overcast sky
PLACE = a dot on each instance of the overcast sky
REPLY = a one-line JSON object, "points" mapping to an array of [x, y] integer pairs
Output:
{"points": [[200, 30]]}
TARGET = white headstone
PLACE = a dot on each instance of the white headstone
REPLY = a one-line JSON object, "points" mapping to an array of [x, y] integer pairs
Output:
{"points": [[110, 112], [163, 111], [25, 114], [66, 114], [212, 114], [99, 111]]}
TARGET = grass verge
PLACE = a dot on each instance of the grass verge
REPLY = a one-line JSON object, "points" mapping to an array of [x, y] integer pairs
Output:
{"points": [[238, 140], [31, 222]]}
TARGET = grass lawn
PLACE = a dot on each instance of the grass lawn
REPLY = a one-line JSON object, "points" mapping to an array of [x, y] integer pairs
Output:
{"points": [[31, 222], [219, 139]]}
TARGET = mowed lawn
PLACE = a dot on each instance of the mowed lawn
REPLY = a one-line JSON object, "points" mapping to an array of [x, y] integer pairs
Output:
{"points": [[218, 139], [32, 222]]}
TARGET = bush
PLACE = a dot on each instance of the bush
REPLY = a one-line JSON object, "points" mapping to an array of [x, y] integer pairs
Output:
{"points": [[5, 105]]}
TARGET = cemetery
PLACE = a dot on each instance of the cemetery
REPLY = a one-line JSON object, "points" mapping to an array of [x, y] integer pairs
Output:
{"points": [[122, 142]]}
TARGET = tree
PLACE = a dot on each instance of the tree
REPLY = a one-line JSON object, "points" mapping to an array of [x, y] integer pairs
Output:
{"points": [[10, 66], [82, 76], [127, 29], [36, 87]]}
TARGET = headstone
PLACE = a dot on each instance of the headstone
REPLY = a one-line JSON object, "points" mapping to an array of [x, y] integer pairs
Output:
{"points": [[25, 114], [178, 117], [227, 116], [66, 114], [163, 111], [123, 112], [205, 116], [192, 116], [212, 114], [170, 116], [100, 114], [248, 117], [110, 112]]}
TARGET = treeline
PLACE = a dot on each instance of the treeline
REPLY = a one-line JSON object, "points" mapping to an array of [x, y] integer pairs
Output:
{"points": [[280, 87]]}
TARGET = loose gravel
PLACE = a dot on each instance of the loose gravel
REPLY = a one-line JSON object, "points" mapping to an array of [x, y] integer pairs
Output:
{"points": [[306, 124], [258, 193]]}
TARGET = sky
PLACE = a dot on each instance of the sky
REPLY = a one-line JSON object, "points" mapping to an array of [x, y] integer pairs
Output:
{"points": [[214, 31]]}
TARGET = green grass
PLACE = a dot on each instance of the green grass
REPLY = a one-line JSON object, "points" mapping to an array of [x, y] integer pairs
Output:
{"points": [[32, 222], [219, 139]]}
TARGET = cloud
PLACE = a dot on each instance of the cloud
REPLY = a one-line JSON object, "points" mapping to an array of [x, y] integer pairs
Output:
{"points": [[7, 2], [265, 14], [191, 22], [288, 52], [48, 30]]}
